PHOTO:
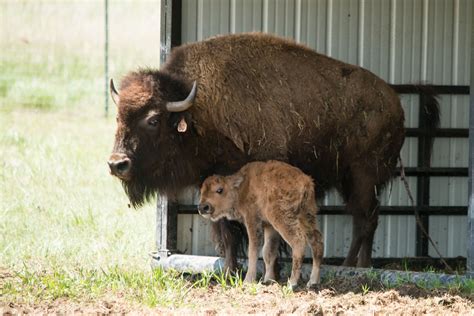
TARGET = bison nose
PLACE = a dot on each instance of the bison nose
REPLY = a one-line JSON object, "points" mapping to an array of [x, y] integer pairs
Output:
{"points": [[204, 208], [120, 165]]}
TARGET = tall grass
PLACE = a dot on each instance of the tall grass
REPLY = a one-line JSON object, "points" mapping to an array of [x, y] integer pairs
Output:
{"points": [[53, 51], [59, 208]]}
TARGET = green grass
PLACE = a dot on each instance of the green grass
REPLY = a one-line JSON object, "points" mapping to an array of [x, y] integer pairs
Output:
{"points": [[29, 82], [150, 288], [58, 204], [59, 207]]}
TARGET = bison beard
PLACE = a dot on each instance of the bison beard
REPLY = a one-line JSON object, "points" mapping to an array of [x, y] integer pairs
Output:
{"points": [[260, 97], [171, 176]]}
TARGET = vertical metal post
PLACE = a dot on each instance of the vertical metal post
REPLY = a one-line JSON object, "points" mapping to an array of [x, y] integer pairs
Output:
{"points": [[470, 216], [106, 57], [165, 36], [166, 224], [423, 182], [166, 219]]}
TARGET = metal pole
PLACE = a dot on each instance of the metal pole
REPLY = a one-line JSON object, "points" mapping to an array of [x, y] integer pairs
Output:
{"points": [[470, 216], [106, 58], [166, 220], [165, 36]]}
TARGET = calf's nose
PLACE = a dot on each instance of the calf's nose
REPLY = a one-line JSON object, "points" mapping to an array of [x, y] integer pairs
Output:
{"points": [[204, 208], [120, 165]]}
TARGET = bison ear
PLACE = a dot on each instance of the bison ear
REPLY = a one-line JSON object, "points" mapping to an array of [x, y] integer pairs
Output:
{"points": [[236, 180], [114, 93], [182, 125]]}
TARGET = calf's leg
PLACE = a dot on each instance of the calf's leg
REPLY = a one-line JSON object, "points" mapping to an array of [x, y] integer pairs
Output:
{"points": [[292, 233], [315, 240], [270, 252], [297, 247], [308, 223], [253, 234]]}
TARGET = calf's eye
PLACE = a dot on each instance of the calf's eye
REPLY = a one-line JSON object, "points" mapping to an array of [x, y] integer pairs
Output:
{"points": [[219, 190]]}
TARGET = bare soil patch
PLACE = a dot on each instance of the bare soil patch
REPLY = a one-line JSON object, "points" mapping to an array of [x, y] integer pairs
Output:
{"points": [[341, 296]]}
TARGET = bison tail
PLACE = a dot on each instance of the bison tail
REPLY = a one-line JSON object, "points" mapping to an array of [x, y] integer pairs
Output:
{"points": [[429, 107]]}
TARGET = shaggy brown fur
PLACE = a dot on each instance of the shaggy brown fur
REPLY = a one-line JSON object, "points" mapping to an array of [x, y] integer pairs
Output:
{"points": [[272, 197], [260, 97]]}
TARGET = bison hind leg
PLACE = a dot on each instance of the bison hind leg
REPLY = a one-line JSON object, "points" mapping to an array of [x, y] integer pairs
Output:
{"points": [[362, 203]]}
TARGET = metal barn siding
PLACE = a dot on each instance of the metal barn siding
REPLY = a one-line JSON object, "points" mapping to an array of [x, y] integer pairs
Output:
{"points": [[402, 41]]}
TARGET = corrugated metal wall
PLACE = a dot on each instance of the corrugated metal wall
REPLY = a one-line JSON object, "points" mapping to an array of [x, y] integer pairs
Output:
{"points": [[402, 41]]}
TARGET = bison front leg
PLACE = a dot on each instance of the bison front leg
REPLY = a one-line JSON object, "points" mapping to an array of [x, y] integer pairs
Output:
{"points": [[226, 242]]}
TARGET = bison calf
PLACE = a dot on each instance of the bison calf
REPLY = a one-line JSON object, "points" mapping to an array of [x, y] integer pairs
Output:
{"points": [[276, 198]]}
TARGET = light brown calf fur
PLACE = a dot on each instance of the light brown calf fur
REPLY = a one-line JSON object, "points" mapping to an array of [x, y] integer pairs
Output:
{"points": [[276, 198]]}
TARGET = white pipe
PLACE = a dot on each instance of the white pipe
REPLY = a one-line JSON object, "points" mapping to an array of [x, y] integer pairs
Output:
{"points": [[199, 264]]}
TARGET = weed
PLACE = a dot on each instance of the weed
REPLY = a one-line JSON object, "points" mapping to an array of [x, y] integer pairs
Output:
{"points": [[468, 286], [423, 284], [328, 276], [372, 275], [429, 269], [405, 265], [365, 289], [286, 290], [252, 288], [436, 283], [236, 280], [221, 278], [204, 280]]}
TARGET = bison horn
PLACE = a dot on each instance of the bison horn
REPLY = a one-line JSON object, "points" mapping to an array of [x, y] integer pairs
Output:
{"points": [[114, 93], [180, 106]]}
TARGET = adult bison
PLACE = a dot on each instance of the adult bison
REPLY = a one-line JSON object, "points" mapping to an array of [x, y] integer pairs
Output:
{"points": [[218, 104]]}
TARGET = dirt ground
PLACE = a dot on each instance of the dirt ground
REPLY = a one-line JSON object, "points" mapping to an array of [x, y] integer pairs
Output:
{"points": [[337, 296]]}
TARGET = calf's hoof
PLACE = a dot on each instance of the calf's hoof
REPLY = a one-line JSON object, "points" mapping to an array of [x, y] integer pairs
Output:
{"points": [[249, 279], [293, 285], [313, 286], [269, 282]]}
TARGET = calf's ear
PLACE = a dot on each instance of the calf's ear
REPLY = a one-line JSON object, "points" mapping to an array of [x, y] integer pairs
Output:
{"points": [[236, 180]]}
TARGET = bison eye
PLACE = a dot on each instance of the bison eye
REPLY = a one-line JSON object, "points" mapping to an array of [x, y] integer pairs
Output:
{"points": [[220, 190], [153, 122]]}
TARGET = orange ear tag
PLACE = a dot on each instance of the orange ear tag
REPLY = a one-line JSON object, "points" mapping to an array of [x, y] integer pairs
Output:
{"points": [[182, 126]]}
